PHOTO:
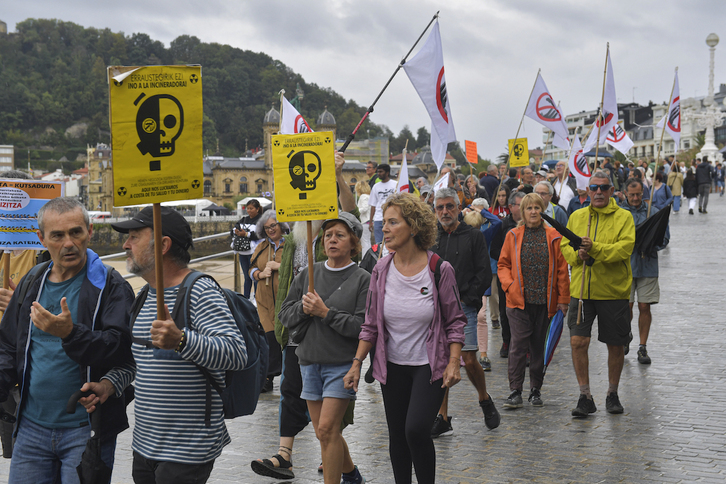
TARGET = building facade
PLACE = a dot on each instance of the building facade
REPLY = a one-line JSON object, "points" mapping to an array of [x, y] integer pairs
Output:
{"points": [[7, 157]]}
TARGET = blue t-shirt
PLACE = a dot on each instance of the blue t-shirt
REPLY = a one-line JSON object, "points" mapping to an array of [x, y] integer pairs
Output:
{"points": [[54, 377]]}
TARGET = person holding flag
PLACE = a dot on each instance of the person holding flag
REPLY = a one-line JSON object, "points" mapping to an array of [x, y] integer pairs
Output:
{"points": [[601, 277]]}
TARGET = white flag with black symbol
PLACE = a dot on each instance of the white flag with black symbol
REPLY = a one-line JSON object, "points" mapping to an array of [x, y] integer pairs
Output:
{"points": [[619, 139], [426, 72], [578, 164], [672, 120], [292, 121], [609, 118], [542, 108]]}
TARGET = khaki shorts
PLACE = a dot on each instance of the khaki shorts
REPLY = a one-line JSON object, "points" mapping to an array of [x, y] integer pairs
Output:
{"points": [[646, 288]]}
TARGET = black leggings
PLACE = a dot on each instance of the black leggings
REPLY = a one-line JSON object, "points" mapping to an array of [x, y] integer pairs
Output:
{"points": [[411, 404]]}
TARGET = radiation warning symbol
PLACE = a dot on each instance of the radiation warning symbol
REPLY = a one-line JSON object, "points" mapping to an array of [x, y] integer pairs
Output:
{"points": [[122, 191], [546, 109], [193, 78], [195, 184]]}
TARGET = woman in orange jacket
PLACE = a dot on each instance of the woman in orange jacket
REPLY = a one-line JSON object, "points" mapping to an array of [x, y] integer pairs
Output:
{"points": [[534, 275]]}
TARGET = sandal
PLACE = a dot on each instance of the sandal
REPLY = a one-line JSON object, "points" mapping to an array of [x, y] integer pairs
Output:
{"points": [[320, 467], [267, 468]]}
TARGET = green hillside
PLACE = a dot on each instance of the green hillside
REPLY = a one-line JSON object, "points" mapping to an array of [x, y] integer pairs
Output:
{"points": [[53, 76]]}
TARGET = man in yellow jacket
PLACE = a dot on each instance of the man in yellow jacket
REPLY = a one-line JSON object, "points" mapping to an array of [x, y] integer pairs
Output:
{"points": [[605, 254]]}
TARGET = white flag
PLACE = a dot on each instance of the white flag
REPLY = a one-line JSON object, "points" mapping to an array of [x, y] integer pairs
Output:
{"points": [[673, 118], [619, 139], [292, 121], [609, 111], [403, 183], [426, 72], [542, 108], [442, 182], [578, 164]]}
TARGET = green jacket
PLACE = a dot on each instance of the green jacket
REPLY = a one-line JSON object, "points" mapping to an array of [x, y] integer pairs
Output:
{"points": [[613, 236]]}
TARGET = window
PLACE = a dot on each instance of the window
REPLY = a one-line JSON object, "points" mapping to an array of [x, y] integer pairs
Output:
{"points": [[353, 180], [243, 184], [207, 188], [227, 185], [259, 188], [686, 145]]}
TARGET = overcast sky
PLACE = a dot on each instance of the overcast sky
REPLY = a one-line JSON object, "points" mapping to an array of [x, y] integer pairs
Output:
{"points": [[492, 49]]}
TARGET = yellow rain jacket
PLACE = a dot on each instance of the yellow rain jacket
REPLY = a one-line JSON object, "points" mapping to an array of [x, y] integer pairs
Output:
{"points": [[613, 236]]}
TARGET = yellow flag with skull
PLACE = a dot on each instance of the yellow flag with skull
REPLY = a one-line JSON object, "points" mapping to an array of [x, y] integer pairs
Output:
{"points": [[156, 133], [304, 172]]}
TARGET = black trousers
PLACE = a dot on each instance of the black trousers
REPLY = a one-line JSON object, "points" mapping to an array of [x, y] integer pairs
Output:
{"points": [[411, 401], [148, 471], [293, 409], [275, 366]]}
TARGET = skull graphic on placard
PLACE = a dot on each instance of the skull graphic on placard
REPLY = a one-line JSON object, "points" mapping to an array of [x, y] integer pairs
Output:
{"points": [[304, 170], [159, 122]]}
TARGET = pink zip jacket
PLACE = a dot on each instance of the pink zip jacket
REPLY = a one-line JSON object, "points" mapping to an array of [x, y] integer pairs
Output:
{"points": [[447, 326]]}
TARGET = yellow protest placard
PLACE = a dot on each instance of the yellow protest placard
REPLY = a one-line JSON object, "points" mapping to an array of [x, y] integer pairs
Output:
{"points": [[304, 171], [518, 152], [156, 133]]}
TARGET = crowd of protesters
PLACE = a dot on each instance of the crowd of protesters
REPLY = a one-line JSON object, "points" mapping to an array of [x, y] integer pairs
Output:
{"points": [[496, 244]]}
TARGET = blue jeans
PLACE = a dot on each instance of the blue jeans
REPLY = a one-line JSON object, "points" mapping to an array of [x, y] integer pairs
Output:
{"points": [[44, 455], [470, 339], [244, 263], [378, 231], [676, 203]]}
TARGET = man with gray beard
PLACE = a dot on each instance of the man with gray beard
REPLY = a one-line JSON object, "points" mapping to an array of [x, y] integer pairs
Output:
{"points": [[293, 416]]}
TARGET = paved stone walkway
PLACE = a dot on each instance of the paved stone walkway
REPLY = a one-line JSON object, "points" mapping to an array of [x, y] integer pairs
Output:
{"points": [[672, 430]]}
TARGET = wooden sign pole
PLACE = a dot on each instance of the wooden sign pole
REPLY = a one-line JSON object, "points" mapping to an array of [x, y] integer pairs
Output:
{"points": [[311, 257], [159, 263]]}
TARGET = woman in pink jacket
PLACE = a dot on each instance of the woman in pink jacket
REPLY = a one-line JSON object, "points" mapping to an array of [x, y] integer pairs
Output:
{"points": [[417, 327]]}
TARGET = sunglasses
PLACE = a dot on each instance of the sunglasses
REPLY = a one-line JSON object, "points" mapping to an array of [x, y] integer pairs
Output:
{"points": [[603, 188], [449, 207]]}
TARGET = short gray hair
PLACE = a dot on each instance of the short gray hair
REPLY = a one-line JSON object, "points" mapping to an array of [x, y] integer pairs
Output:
{"points": [[267, 215], [446, 193], [514, 196], [601, 175], [546, 184], [60, 206]]}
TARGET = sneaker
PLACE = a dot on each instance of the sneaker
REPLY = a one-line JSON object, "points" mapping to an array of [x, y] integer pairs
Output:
{"points": [[267, 387], [643, 357], [612, 403], [585, 406], [514, 400], [504, 352], [442, 427], [492, 419], [535, 398], [705, 211], [690, 211], [700, 210], [495, 324], [354, 477], [485, 363], [626, 348]]}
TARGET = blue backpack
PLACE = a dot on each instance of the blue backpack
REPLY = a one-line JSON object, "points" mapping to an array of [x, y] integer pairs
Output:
{"points": [[243, 387]]}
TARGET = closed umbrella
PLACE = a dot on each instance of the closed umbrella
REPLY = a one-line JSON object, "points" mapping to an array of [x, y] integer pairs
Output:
{"points": [[553, 337], [92, 469]]}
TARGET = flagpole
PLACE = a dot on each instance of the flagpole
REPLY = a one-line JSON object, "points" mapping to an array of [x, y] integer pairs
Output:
{"points": [[501, 182], [602, 101], [660, 145], [351, 136]]}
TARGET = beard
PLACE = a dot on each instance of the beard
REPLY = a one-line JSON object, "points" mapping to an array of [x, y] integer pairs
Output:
{"points": [[143, 265], [300, 231]]}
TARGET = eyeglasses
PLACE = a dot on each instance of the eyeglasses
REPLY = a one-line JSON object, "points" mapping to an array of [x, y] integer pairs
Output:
{"points": [[449, 207], [603, 188], [271, 226]]}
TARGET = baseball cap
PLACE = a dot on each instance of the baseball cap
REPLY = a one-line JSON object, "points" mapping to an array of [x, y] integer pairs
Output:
{"points": [[173, 225], [349, 220], [542, 173]]}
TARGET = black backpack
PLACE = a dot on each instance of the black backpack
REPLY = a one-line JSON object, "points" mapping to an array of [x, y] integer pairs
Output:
{"points": [[243, 387]]}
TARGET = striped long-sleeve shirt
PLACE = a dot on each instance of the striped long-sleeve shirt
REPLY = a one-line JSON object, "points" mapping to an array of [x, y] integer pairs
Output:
{"points": [[171, 393]]}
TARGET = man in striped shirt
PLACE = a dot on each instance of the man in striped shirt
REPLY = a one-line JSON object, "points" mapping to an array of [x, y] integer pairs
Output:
{"points": [[172, 443]]}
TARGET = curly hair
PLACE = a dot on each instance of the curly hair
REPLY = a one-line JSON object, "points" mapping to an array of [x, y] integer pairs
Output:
{"points": [[417, 215]]}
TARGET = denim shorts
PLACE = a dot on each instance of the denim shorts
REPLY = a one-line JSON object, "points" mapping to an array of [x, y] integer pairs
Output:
{"points": [[470, 340], [325, 381]]}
